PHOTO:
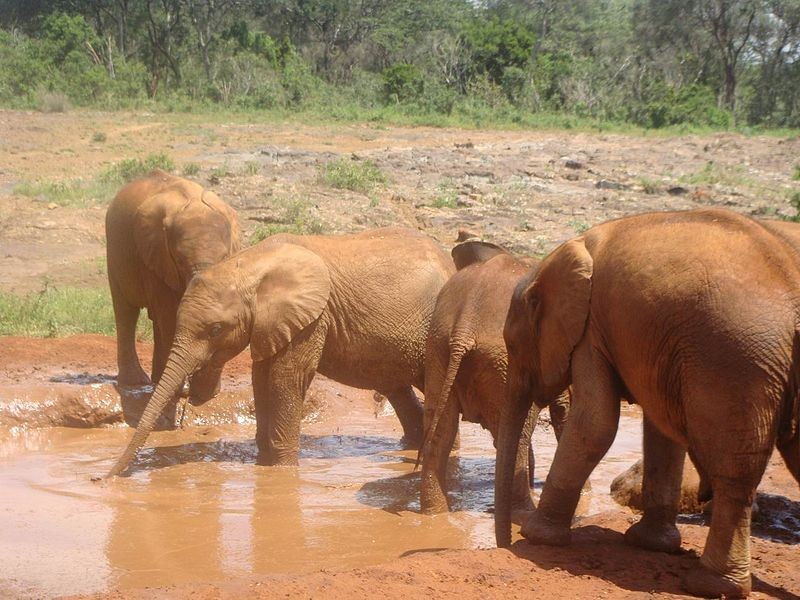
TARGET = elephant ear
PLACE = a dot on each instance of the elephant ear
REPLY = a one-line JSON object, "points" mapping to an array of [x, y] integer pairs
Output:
{"points": [[559, 300], [150, 233], [214, 202], [292, 293], [474, 251]]}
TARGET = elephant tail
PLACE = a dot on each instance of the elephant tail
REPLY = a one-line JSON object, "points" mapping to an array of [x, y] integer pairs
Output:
{"points": [[457, 353]]}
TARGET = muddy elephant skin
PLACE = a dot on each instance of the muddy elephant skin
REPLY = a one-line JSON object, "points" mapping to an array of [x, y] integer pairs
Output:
{"points": [[694, 316], [465, 366], [354, 307], [161, 230]]}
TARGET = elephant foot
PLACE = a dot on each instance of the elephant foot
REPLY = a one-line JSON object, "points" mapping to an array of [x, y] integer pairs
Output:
{"points": [[656, 536], [133, 379], [411, 441], [538, 529], [705, 583], [271, 459]]}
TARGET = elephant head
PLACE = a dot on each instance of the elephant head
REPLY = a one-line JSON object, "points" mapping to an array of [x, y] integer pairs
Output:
{"points": [[178, 239], [263, 297], [546, 320]]}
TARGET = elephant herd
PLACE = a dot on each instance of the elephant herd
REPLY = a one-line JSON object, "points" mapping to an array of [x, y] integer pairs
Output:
{"points": [[692, 315]]}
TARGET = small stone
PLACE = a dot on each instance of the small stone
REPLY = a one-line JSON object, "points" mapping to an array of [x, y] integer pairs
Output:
{"points": [[52, 205], [573, 164], [605, 184], [677, 191]]}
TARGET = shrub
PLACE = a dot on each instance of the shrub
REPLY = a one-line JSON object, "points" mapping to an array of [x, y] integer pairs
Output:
{"points": [[355, 175], [131, 168], [52, 102], [402, 82]]}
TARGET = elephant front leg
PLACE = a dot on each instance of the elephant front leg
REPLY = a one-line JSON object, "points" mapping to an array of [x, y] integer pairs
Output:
{"points": [[588, 434], [661, 491], [130, 372], [433, 479], [409, 411]]}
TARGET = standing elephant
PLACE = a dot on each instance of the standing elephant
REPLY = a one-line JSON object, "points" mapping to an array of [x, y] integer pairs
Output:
{"points": [[465, 366], [355, 307], [161, 230], [694, 316]]}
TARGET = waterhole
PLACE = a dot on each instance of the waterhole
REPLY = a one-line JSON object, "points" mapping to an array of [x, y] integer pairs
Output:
{"points": [[196, 507]]}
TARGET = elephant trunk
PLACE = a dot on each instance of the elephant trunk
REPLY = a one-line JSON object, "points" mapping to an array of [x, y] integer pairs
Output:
{"points": [[512, 420], [179, 365]]}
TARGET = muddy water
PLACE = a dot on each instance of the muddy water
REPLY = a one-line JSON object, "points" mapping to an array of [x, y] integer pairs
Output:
{"points": [[197, 508]]}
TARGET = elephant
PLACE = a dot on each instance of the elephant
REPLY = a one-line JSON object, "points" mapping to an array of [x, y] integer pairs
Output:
{"points": [[465, 366], [694, 316], [355, 308], [161, 230]]}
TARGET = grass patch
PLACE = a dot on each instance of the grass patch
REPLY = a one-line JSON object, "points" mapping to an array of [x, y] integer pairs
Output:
{"points": [[578, 226], [58, 312], [99, 136], [295, 218], [715, 174], [796, 174], [131, 168], [356, 175], [83, 193], [190, 169], [250, 168], [446, 196], [649, 186]]}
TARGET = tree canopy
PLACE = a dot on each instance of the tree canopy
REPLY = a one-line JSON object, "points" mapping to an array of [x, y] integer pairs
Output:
{"points": [[650, 62]]}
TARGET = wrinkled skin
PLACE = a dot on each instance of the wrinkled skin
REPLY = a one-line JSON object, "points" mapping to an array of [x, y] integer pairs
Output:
{"points": [[692, 315], [465, 367], [355, 308], [160, 231]]}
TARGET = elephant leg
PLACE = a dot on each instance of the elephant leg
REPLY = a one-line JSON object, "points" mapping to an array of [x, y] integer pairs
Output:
{"points": [[433, 479], [523, 471], [130, 372], [661, 493], [559, 410], [725, 563], [587, 436], [279, 388], [790, 451], [408, 409]]}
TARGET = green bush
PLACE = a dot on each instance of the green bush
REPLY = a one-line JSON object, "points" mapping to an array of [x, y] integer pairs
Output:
{"points": [[497, 44], [131, 168], [402, 82], [355, 175], [694, 104]]}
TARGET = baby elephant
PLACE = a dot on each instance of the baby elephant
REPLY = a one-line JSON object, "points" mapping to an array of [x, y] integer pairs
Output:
{"points": [[161, 230], [355, 307], [465, 366]]}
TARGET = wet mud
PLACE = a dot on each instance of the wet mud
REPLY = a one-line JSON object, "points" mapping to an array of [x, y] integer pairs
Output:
{"points": [[196, 508]]}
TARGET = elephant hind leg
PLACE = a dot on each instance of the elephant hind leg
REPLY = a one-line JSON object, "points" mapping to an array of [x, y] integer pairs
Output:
{"points": [[409, 411], [435, 453], [661, 492], [790, 451]]}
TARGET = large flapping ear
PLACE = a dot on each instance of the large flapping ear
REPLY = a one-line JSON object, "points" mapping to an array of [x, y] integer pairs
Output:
{"points": [[473, 251], [292, 293], [559, 300], [150, 233], [214, 202]]}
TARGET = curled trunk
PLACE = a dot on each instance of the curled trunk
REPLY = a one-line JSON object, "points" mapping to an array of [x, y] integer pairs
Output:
{"points": [[513, 419], [178, 367]]}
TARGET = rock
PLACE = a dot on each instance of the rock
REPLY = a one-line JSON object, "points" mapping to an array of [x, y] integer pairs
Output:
{"points": [[626, 489], [52, 206], [573, 164], [677, 191], [605, 184], [464, 235]]}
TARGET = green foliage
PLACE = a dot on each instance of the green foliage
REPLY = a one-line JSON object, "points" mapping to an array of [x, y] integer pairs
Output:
{"points": [[402, 82], [689, 104], [355, 175], [131, 168], [649, 186], [498, 44], [190, 169], [796, 175], [295, 218], [99, 136], [446, 196], [56, 312]]}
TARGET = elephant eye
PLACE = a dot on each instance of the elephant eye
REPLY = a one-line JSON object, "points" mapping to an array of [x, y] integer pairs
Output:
{"points": [[215, 330]]}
